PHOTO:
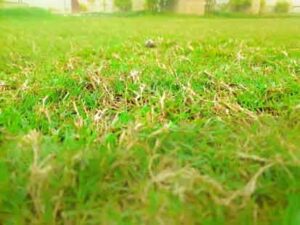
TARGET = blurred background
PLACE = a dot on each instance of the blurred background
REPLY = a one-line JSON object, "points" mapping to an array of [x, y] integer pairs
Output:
{"points": [[194, 7]]}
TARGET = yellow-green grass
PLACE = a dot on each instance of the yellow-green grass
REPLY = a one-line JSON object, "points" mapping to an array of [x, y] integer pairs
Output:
{"points": [[95, 128]]}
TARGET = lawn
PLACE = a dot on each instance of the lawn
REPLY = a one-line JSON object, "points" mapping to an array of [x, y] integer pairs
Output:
{"points": [[98, 129]]}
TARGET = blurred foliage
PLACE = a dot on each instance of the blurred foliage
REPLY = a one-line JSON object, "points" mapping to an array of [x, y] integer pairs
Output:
{"points": [[123, 5], [263, 5], [239, 5], [83, 7], [210, 6], [159, 5], [282, 7]]}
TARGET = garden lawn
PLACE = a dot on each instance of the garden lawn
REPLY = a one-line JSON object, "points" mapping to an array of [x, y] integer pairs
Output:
{"points": [[96, 128]]}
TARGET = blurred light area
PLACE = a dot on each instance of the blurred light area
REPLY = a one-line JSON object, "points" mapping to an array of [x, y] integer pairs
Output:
{"points": [[56, 5], [107, 6]]}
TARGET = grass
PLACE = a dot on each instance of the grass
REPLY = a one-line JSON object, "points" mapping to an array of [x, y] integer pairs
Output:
{"points": [[95, 128]]}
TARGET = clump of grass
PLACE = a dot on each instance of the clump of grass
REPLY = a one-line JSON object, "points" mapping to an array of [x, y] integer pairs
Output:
{"points": [[98, 129]]}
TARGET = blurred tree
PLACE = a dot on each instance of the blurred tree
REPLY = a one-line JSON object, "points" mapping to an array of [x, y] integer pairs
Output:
{"points": [[75, 6], [262, 7], [159, 5], [240, 5], [282, 6], [210, 6], [123, 5]]}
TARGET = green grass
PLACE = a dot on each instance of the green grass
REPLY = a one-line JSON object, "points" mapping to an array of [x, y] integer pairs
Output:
{"points": [[95, 128]]}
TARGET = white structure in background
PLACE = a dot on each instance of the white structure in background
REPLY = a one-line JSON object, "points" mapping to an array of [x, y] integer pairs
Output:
{"points": [[68, 6], [183, 6], [55, 5], [296, 6], [99, 5]]}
